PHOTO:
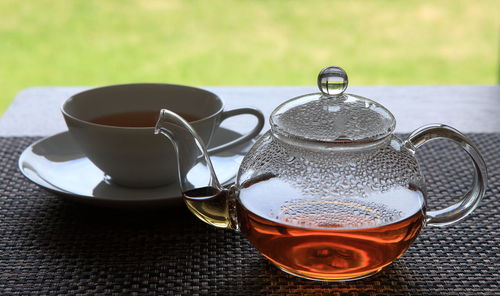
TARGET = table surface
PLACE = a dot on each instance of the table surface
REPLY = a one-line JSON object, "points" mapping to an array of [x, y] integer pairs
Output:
{"points": [[49, 246], [469, 108]]}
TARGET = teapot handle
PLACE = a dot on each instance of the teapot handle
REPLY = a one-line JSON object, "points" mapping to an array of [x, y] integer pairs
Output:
{"points": [[471, 199]]}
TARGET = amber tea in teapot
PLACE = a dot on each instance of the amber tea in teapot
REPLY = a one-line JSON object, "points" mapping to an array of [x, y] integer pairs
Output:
{"points": [[329, 193], [321, 238]]}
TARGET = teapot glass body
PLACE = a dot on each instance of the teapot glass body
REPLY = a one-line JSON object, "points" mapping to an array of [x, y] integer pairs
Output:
{"points": [[330, 213]]}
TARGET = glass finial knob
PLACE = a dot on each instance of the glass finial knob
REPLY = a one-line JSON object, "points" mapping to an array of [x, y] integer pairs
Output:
{"points": [[332, 81]]}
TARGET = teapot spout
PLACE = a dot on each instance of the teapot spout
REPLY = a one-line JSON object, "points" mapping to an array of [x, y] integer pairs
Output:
{"points": [[201, 189]]}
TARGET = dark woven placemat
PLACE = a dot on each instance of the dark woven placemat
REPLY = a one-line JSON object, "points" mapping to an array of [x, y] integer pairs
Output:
{"points": [[49, 246]]}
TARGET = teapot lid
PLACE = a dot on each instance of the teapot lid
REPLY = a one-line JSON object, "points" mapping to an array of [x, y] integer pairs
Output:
{"points": [[332, 116]]}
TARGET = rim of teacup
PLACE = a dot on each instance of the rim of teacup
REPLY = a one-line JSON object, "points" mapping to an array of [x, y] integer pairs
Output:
{"points": [[67, 101]]}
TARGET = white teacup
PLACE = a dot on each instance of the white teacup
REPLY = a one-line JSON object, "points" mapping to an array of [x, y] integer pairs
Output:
{"points": [[134, 156]]}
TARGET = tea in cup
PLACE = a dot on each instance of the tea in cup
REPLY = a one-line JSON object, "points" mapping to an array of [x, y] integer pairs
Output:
{"points": [[113, 125]]}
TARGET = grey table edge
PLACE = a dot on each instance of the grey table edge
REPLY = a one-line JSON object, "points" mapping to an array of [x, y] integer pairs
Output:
{"points": [[470, 108]]}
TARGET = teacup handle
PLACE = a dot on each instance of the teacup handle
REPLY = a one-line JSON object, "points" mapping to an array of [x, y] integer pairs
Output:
{"points": [[471, 199], [244, 138]]}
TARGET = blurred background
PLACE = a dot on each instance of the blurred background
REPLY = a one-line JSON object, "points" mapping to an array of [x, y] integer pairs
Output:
{"points": [[203, 43]]}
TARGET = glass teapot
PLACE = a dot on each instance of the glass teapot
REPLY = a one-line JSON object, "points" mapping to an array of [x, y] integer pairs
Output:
{"points": [[329, 193]]}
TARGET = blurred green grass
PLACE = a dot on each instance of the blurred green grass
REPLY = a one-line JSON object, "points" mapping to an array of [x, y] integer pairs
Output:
{"points": [[85, 42]]}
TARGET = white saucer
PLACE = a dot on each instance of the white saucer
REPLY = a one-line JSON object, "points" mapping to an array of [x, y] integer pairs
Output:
{"points": [[57, 164]]}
